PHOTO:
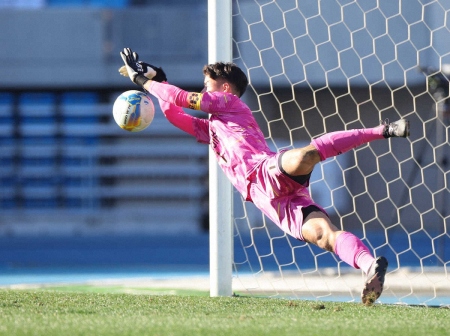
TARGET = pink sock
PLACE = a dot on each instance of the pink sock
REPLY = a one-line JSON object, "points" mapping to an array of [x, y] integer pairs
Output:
{"points": [[351, 250], [335, 143]]}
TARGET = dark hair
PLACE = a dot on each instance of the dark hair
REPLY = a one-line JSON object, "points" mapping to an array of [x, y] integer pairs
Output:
{"points": [[229, 72]]}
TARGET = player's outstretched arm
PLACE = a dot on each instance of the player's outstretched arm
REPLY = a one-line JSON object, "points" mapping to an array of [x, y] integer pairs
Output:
{"points": [[199, 128], [149, 78]]}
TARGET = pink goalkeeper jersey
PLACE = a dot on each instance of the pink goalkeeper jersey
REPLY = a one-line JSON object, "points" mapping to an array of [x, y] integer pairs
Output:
{"points": [[231, 130], [235, 137]]}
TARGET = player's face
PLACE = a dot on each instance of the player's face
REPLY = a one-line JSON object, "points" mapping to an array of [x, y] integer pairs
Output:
{"points": [[212, 85]]}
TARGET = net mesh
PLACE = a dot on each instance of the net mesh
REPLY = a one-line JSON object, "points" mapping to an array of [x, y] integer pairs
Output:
{"points": [[321, 66]]}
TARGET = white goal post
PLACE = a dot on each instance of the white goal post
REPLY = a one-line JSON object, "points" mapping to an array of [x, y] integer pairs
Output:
{"points": [[220, 189]]}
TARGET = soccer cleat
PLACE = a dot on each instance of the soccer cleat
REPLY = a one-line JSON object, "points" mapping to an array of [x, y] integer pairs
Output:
{"points": [[398, 128], [375, 281]]}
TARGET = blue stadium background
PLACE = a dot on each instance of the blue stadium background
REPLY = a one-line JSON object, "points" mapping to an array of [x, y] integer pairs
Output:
{"points": [[79, 194]]}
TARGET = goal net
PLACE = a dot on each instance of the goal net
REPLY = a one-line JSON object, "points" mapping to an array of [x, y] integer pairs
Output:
{"points": [[322, 66]]}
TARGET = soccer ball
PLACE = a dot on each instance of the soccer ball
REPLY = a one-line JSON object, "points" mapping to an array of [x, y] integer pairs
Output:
{"points": [[133, 111]]}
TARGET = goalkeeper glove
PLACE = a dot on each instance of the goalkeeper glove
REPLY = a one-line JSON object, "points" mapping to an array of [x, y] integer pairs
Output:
{"points": [[136, 69]]}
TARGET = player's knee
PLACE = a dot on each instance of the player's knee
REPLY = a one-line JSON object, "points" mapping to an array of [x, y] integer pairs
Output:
{"points": [[324, 241], [300, 161], [318, 236], [308, 156]]}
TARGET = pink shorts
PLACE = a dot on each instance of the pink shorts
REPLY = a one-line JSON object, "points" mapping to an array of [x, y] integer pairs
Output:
{"points": [[279, 197]]}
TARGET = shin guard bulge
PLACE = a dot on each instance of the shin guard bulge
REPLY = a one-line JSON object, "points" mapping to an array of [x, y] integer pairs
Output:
{"points": [[335, 143], [352, 250]]}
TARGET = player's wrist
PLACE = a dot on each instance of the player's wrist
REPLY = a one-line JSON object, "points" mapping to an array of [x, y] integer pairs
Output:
{"points": [[141, 80]]}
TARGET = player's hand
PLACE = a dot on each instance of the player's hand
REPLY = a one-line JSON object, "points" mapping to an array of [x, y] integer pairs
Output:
{"points": [[133, 67], [149, 71]]}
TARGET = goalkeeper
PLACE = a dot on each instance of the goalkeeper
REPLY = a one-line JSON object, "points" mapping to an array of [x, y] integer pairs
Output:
{"points": [[277, 183]]}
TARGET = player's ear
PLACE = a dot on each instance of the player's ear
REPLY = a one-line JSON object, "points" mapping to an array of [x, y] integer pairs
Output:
{"points": [[227, 87]]}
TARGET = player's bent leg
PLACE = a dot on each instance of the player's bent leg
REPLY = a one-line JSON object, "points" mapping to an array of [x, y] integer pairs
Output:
{"points": [[318, 229], [335, 143], [301, 161]]}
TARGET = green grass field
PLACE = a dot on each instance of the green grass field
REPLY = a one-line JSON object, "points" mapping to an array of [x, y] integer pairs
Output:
{"points": [[89, 311]]}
